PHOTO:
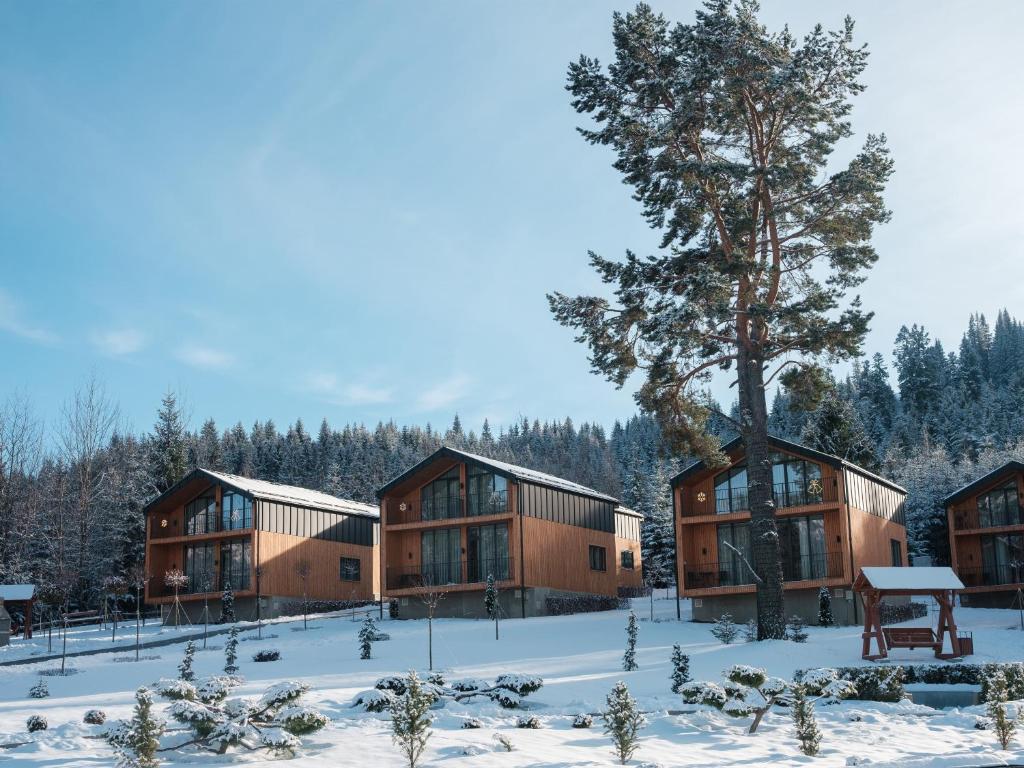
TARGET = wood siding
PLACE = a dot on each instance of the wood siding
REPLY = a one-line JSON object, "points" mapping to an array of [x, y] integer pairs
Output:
{"points": [[558, 557], [280, 554]]}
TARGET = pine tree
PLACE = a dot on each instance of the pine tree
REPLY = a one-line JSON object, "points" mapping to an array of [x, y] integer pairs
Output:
{"points": [[623, 721], [795, 629], [680, 668], [490, 597], [138, 740], [806, 726], [231, 653], [629, 658], [367, 634], [185, 668], [759, 248], [227, 605], [169, 458], [825, 607], [410, 720], [1003, 725], [724, 630], [835, 428]]}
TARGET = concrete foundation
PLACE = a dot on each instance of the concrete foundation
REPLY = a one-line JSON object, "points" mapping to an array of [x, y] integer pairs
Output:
{"points": [[1007, 599], [803, 602], [470, 605]]}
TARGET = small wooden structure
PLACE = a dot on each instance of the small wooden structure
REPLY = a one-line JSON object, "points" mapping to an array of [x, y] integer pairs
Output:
{"points": [[873, 584], [20, 598]]}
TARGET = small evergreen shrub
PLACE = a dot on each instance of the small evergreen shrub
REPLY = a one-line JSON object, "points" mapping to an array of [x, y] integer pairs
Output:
{"points": [[582, 720], [825, 607], [504, 742], [410, 721], [95, 717], [36, 723], [299, 721], [375, 700], [1003, 725], [796, 629], [872, 683], [367, 634], [807, 732], [724, 631], [392, 609], [680, 668], [269, 654], [472, 724], [528, 722], [623, 721], [629, 658], [750, 631], [39, 691], [231, 653], [176, 690], [185, 668]]}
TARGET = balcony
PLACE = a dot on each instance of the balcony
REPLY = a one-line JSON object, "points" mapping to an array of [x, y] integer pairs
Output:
{"points": [[442, 575], [448, 508], [195, 586], [725, 500], [992, 575], [735, 573], [974, 519]]}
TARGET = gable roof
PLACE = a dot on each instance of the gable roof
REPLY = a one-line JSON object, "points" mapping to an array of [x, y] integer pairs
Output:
{"points": [[17, 592], [505, 469], [935, 577], [802, 450], [284, 494], [976, 485]]}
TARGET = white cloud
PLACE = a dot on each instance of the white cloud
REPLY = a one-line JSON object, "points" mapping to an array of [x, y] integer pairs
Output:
{"points": [[328, 387], [118, 343], [203, 357], [444, 393], [11, 321]]}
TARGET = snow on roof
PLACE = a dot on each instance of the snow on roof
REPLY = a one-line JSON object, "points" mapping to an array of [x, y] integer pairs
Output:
{"points": [[621, 510], [17, 591], [532, 475], [912, 578], [293, 494]]}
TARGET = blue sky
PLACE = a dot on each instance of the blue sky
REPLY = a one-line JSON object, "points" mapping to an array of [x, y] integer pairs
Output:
{"points": [[354, 210]]}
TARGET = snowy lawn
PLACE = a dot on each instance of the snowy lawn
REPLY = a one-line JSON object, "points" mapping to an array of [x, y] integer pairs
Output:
{"points": [[579, 658]]}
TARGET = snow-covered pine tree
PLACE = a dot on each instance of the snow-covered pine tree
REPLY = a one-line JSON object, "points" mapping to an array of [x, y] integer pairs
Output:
{"points": [[137, 741], [367, 633], [623, 721], [231, 652], [835, 428], [680, 668], [490, 597], [629, 657], [750, 631], [1003, 725], [227, 605], [724, 630], [722, 252], [168, 453], [825, 607], [796, 629], [807, 732], [410, 720], [185, 668]]}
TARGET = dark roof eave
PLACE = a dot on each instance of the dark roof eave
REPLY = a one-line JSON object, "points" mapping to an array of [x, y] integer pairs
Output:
{"points": [[1013, 465]]}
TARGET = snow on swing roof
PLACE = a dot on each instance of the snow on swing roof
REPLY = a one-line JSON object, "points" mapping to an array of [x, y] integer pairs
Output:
{"points": [[912, 578], [15, 592]]}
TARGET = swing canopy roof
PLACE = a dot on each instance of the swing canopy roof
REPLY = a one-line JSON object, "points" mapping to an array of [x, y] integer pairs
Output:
{"points": [[907, 581]]}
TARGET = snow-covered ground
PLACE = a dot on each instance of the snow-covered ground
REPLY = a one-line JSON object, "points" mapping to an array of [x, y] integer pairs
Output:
{"points": [[579, 658]]}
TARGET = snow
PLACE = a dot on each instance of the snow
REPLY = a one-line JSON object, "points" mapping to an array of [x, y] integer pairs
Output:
{"points": [[17, 591], [912, 578], [579, 659], [291, 494]]}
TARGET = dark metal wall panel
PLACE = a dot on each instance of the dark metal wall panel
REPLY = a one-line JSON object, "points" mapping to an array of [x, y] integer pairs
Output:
{"points": [[566, 508], [317, 524], [873, 497]]}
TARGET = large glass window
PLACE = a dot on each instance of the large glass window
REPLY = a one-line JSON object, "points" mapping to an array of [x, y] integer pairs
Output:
{"points": [[734, 554], [731, 490], [440, 556], [235, 512], [487, 493], [440, 499], [487, 552], [201, 515], [802, 545], [235, 564], [795, 482], [199, 567], [1000, 507], [1002, 559]]}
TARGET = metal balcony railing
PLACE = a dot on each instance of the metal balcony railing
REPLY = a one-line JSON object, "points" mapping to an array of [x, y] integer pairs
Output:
{"points": [[441, 575], [198, 586], [973, 518], [448, 507], [992, 575], [785, 495], [736, 573]]}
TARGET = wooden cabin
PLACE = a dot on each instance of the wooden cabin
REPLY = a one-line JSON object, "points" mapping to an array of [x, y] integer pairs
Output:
{"points": [[986, 537], [833, 518], [257, 537], [456, 518]]}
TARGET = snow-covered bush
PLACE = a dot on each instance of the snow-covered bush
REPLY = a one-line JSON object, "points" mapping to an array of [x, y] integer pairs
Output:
{"points": [[826, 685], [508, 690], [1013, 677], [367, 633], [176, 689], [807, 732], [750, 631], [870, 683], [227, 606], [375, 699], [215, 688], [185, 668], [39, 691], [796, 629], [531, 721], [629, 658], [269, 654], [95, 717], [231, 652], [724, 630], [410, 721], [623, 721], [505, 698], [680, 668], [300, 720], [825, 607], [1003, 725], [137, 740], [468, 684], [504, 742], [393, 683], [524, 685], [747, 691], [582, 720], [36, 723], [200, 717], [472, 724], [279, 742]]}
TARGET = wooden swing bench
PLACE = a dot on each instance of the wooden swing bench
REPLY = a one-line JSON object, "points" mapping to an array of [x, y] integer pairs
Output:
{"points": [[911, 637]]}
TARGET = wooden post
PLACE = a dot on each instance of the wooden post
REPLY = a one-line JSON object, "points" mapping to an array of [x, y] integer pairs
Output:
{"points": [[872, 626]]}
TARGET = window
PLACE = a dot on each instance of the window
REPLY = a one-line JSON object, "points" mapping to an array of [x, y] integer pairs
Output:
{"points": [[1002, 559], [598, 558], [897, 553], [201, 515], [487, 552], [235, 564], [627, 559], [440, 499], [350, 569], [1000, 507], [235, 511], [733, 549], [801, 545], [441, 556], [795, 482], [199, 567], [731, 490], [486, 492]]}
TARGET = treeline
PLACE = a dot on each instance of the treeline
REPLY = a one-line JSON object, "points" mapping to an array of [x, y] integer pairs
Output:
{"points": [[71, 501]]}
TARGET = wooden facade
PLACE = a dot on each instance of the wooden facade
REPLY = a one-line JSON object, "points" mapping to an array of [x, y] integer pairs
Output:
{"points": [[833, 518], [986, 537], [225, 530], [456, 518]]}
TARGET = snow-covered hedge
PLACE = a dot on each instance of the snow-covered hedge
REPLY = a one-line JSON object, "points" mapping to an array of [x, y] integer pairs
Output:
{"points": [[300, 720], [532, 721], [582, 721], [508, 690], [375, 699], [886, 683], [36, 723], [176, 689], [95, 717], [563, 605]]}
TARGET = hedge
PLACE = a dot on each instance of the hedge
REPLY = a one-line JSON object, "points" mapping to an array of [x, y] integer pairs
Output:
{"points": [[562, 605], [886, 683]]}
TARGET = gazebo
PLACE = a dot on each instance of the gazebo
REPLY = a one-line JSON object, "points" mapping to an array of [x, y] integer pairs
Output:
{"points": [[19, 597], [873, 584]]}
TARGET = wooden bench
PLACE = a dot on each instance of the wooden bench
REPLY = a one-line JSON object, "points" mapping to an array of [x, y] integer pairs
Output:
{"points": [[910, 637]]}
